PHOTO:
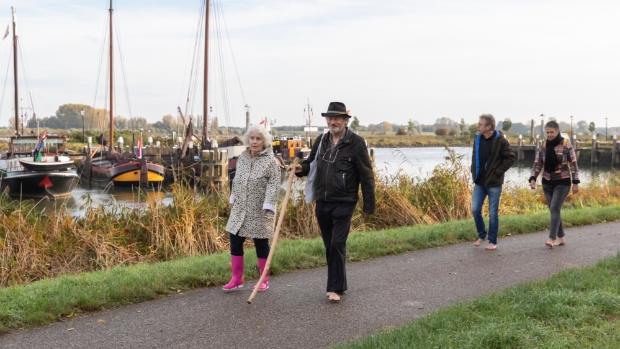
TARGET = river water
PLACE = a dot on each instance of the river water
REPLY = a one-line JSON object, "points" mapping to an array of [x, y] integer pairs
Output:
{"points": [[418, 162]]}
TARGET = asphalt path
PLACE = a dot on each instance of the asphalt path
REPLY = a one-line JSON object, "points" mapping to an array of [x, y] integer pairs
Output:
{"points": [[294, 313]]}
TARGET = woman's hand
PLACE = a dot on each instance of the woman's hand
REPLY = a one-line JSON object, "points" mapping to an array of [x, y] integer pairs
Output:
{"points": [[266, 212], [297, 168], [533, 184], [575, 188]]}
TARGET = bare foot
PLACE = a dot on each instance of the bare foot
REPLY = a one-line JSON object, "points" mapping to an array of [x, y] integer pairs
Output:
{"points": [[491, 246], [549, 243], [334, 297], [561, 241], [479, 242]]}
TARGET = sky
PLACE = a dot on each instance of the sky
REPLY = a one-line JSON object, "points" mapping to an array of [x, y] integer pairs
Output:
{"points": [[386, 60]]}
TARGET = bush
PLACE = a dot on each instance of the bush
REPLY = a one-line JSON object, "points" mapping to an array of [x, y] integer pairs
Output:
{"points": [[401, 131], [442, 131], [452, 132]]}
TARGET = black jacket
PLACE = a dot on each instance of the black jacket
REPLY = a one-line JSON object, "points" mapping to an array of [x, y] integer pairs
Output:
{"points": [[499, 161], [338, 178]]}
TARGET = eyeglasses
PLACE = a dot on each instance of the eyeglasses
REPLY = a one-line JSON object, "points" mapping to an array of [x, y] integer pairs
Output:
{"points": [[330, 160]]}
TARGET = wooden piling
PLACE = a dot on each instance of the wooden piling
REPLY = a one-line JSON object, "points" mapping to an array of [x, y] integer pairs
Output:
{"points": [[593, 157], [144, 173], [372, 157], [213, 169], [614, 150], [520, 156]]}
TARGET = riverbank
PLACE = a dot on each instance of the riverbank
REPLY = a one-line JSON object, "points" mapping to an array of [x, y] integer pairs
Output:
{"points": [[49, 300]]}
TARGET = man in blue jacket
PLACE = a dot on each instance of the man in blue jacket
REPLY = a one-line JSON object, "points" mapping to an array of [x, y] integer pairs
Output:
{"points": [[491, 158], [343, 165]]}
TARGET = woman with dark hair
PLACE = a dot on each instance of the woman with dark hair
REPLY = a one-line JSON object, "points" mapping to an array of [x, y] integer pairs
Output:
{"points": [[556, 159]]}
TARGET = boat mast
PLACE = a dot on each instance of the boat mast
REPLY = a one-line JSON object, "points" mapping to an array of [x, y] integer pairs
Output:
{"points": [[15, 70], [205, 107], [111, 150]]}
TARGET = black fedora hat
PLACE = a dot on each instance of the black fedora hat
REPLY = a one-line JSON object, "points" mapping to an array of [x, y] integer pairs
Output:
{"points": [[336, 109]]}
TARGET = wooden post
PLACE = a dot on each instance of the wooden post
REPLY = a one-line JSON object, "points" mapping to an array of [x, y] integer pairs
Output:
{"points": [[576, 146], [144, 173], [614, 150], [593, 151], [520, 149]]}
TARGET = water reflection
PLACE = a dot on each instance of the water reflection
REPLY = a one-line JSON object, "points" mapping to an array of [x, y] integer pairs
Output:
{"points": [[83, 197]]}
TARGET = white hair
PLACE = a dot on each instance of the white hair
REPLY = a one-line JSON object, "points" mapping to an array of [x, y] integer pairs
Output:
{"points": [[264, 135]]}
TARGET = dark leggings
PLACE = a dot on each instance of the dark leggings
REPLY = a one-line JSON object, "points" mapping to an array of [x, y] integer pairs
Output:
{"points": [[236, 246]]}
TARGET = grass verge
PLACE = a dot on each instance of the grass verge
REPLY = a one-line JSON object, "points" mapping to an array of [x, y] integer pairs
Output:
{"points": [[48, 300], [577, 308]]}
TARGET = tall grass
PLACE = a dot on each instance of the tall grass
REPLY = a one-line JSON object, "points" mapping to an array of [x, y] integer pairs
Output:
{"points": [[37, 244]]}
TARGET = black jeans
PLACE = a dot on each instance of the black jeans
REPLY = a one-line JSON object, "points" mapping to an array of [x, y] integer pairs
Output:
{"points": [[334, 220], [555, 194], [236, 246]]}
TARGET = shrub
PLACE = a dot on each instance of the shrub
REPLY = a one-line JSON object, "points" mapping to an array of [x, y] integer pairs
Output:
{"points": [[442, 131]]}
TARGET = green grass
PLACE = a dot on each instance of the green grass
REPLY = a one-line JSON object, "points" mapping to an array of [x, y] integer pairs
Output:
{"points": [[48, 300], [577, 308]]}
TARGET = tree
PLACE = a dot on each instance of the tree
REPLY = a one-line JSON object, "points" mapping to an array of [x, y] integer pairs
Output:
{"points": [[401, 131], [463, 126], [582, 125], [410, 127], [355, 124], [373, 128], [592, 127], [386, 126], [507, 125], [215, 124], [473, 130]]}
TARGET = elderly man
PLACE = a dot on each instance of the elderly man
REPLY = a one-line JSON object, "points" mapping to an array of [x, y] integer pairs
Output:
{"points": [[342, 165], [491, 158]]}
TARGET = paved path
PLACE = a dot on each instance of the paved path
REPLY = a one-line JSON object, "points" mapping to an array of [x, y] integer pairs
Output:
{"points": [[294, 312]]}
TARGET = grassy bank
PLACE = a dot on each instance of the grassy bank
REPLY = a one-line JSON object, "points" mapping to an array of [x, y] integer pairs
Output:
{"points": [[44, 301], [577, 308]]}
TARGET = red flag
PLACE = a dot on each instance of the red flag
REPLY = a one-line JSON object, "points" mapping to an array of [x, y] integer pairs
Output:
{"points": [[262, 122]]}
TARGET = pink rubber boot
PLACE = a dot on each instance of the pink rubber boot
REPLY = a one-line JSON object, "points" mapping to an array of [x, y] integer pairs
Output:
{"points": [[237, 274], [261, 266]]}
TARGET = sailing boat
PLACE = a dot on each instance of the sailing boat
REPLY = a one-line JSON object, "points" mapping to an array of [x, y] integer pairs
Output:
{"points": [[39, 175], [121, 169]]}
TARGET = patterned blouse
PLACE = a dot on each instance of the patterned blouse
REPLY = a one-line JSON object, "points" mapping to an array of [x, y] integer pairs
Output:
{"points": [[565, 167]]}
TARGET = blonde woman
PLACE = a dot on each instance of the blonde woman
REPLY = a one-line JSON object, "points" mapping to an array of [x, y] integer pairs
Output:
{"points": [[254, 197]]}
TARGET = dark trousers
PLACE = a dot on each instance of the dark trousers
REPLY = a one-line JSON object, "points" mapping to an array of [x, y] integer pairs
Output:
{"points": [[236, 246], [334, 220], [555, 194]]}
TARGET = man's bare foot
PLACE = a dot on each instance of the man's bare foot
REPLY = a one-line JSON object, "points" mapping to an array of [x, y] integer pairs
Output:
{"points": [[333, 296], [561, 241], [479, 242], [549, 243], [491, 246]]}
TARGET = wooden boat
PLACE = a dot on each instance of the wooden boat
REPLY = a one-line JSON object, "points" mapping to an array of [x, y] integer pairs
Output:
{"points": [[48, 163], [24, 175], [121, 169]]}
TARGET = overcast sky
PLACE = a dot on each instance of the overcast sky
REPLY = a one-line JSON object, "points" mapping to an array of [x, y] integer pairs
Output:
{"points": [[386, 60]]}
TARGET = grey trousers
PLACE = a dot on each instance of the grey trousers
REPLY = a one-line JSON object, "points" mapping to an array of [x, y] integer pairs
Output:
{"points": [[555, 199]]}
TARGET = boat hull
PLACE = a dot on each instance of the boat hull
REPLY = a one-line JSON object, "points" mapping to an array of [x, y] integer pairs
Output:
{"points": [[39, 184], [128, 174]]}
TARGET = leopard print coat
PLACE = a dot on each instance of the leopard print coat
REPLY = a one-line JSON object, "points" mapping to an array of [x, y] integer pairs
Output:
{"points": [[256, 186]]}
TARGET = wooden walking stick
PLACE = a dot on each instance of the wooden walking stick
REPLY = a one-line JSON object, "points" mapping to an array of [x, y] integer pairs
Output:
{"points": [[277, 232]]}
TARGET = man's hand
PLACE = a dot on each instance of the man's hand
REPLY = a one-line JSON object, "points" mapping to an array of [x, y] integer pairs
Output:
{"points": [[297, 168], [367, 214], [533, 184], [575, 188]]}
